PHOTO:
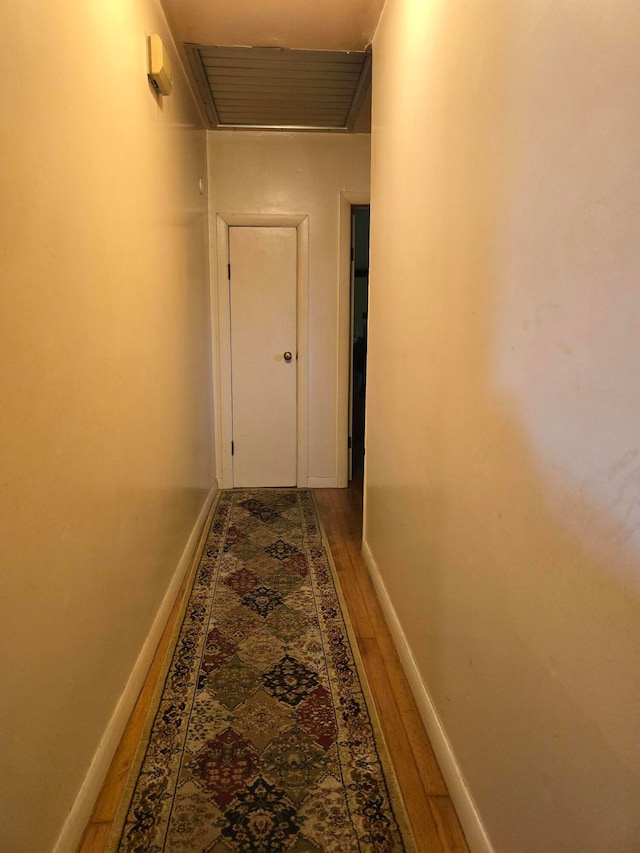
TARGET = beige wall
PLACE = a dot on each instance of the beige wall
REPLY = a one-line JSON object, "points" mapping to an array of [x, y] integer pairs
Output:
{"points": [[303, 173], [106, 428], [503, 467]]}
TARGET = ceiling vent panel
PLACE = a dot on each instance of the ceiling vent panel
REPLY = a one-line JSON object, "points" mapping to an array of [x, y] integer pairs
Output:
{"points": [[278, 88]]}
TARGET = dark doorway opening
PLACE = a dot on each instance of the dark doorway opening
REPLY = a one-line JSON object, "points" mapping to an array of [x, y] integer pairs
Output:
{"points": [[359, 313]]}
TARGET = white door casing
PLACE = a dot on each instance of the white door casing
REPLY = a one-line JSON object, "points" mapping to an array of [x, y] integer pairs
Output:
{"points": [[262, 287], [352, 280], [347, 199]]}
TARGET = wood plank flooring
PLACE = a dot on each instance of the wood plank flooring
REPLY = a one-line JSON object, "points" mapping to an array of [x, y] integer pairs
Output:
{"points": [[431, 812], [433, 818]]}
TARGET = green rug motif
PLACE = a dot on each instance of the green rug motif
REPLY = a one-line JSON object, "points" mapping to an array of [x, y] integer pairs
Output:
{"points": [[261, 738]]}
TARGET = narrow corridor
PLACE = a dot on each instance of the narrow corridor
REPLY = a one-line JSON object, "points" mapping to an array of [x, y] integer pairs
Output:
{"points": [[432, 815]]}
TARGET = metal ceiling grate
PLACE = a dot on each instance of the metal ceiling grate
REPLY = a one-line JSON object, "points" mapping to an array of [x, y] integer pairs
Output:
{"points": [[279, 88]]}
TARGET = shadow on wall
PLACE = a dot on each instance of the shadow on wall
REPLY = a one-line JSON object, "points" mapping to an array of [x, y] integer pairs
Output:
{"points": [[502, 483], [527, 638]]}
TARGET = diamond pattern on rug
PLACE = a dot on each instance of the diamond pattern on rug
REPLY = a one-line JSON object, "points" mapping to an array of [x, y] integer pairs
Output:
{"points": [[281, 550], [242, 581], [294, 763], [259, 509], [283, 528], [302, 600], [209, 718], [289, 680], [227, 599], [246, 549], [283, 580], [233, 683], [262, 600], [263, 565], [261, 818], [287, 623], [261, 650], [229, 563], [310, 651], [239, 623], [218, 650], [224, 764], [234, 536], [263, 534], [297, 563], [316, 716], [261, 718], [262, 740], [195, 821]]}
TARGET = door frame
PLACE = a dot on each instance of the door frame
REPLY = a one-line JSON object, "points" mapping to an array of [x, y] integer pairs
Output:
{"points": [[347, 199], [224, 419]]}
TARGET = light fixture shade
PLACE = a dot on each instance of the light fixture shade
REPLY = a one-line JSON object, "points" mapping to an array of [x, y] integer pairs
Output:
{"points": [[160, 72]]}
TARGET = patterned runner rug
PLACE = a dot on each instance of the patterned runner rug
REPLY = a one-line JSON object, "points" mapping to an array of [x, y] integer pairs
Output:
{"points": [[263, 736]]}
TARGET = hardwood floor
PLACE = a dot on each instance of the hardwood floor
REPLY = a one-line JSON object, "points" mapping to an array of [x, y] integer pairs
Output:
{"points": [[433, 818], [431, 812]]}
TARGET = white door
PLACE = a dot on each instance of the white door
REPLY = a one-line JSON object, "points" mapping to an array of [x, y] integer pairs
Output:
{"points": [[262, 285]]}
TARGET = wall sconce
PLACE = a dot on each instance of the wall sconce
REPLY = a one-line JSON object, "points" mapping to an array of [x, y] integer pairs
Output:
{"points": [[159, 72]]}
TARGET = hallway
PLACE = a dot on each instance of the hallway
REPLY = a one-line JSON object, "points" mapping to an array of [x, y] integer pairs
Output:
{"points": [[501, 524], [433, 819]]}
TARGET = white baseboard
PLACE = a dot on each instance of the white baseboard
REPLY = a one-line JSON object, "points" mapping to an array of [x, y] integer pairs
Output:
{"points": [[80, 813], [322, 483], [477, 837]]}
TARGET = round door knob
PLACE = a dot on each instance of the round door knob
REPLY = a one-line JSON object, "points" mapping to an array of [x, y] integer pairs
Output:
{"points": [[287, 356]]}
